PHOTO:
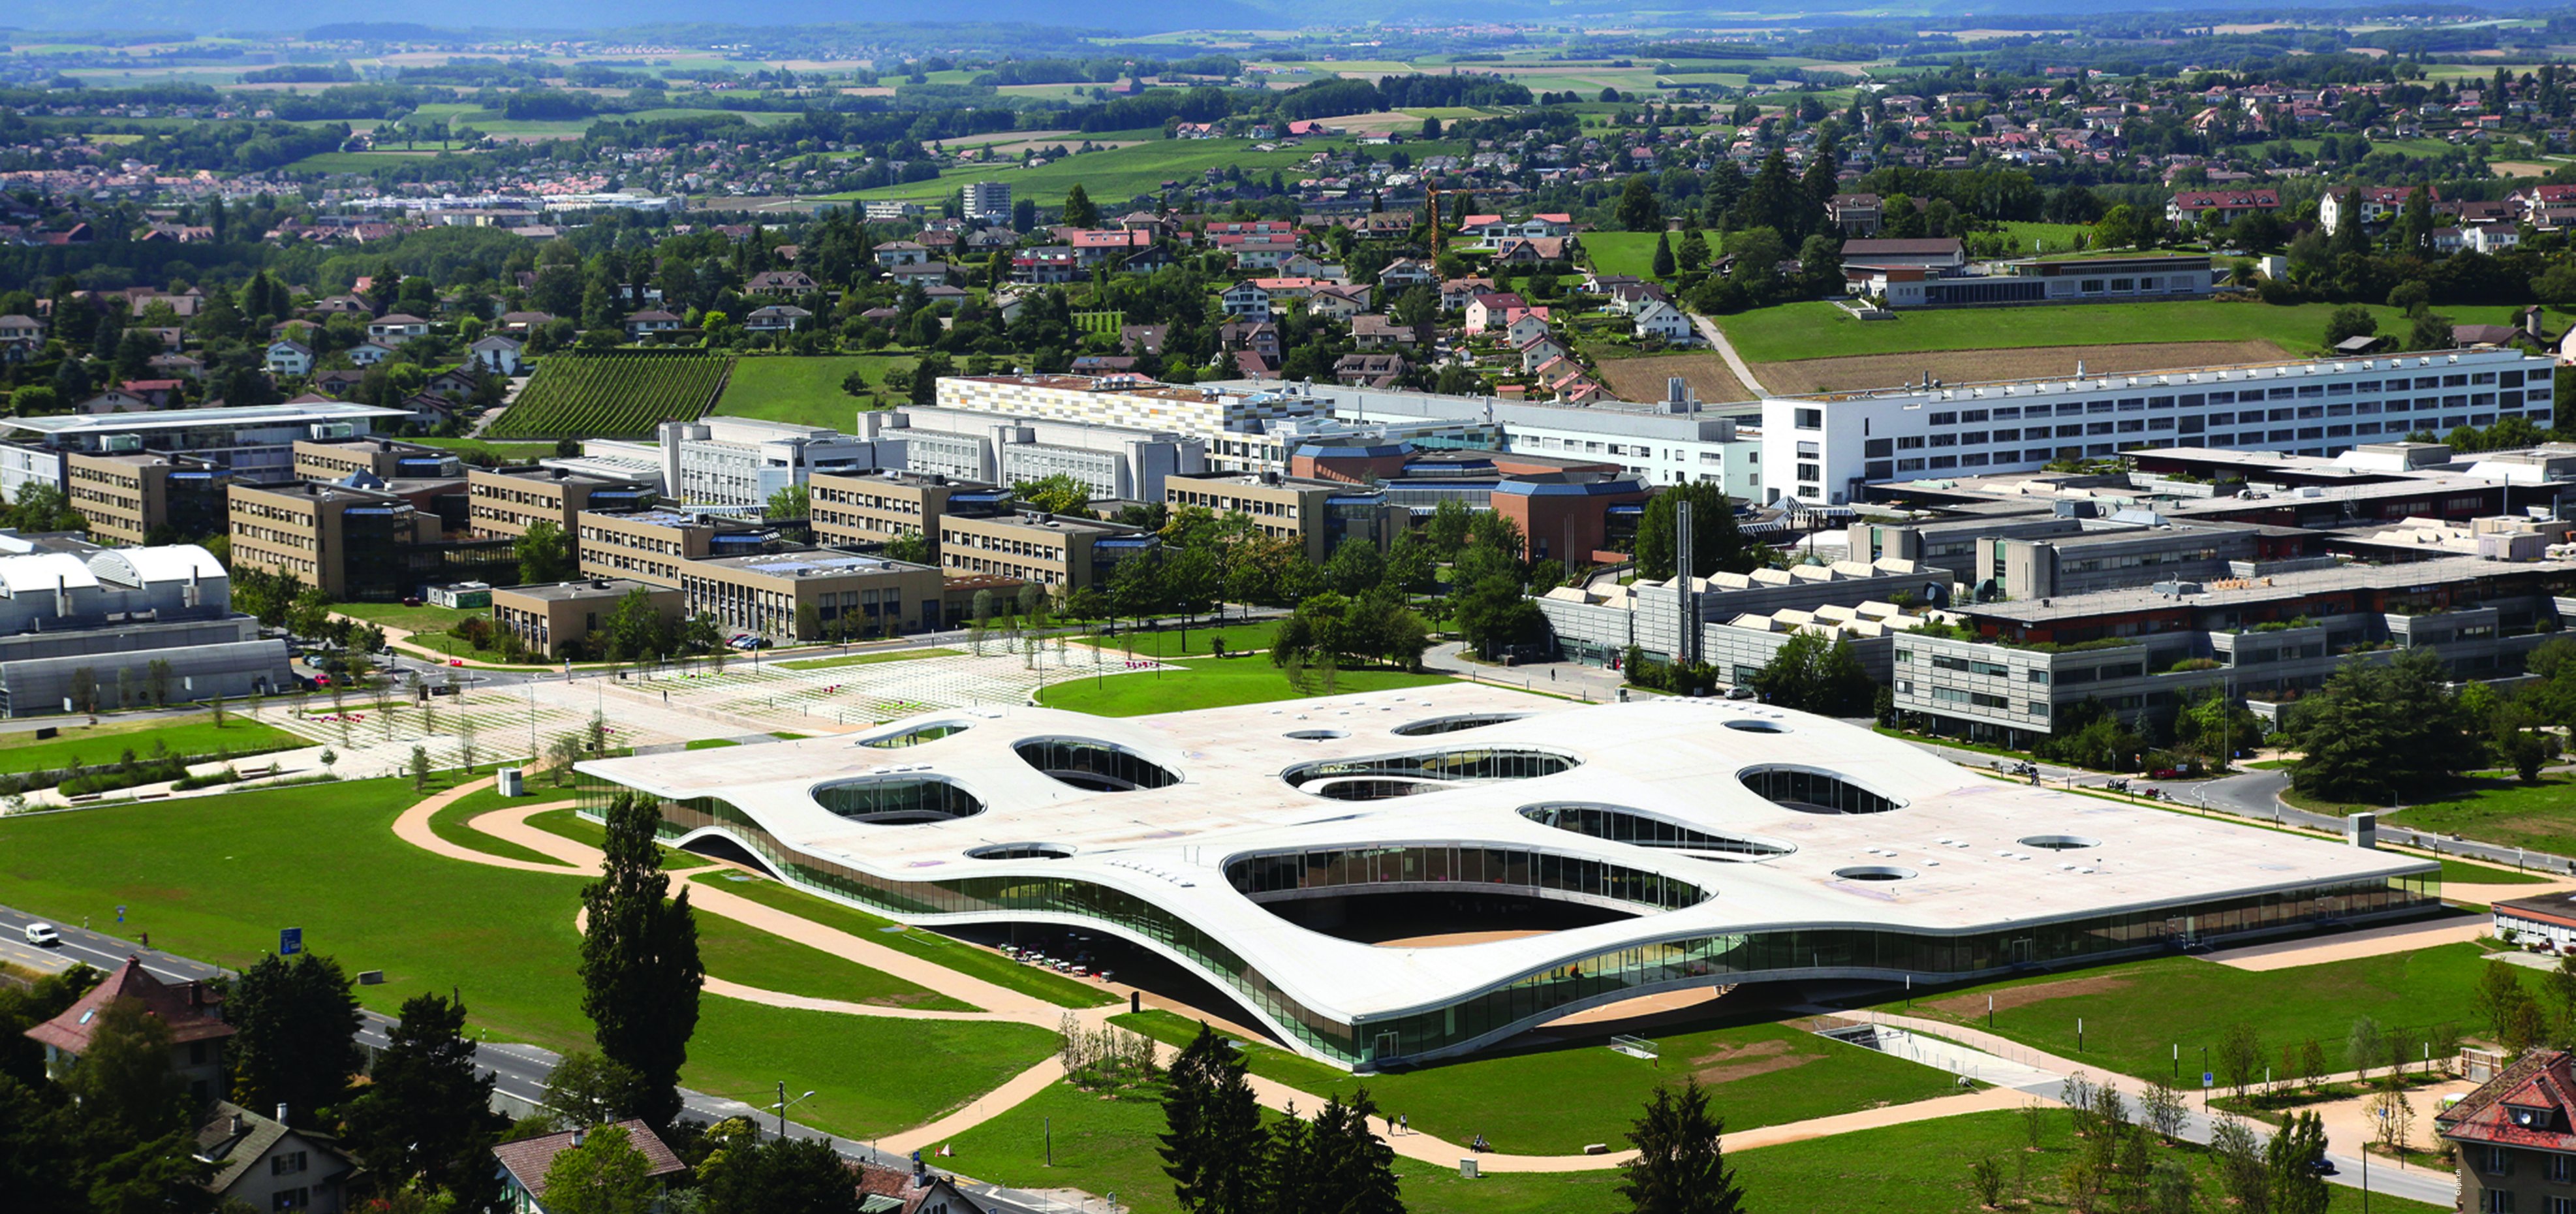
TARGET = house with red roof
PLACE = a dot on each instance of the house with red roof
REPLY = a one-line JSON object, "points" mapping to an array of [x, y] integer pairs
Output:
{"points": [[2516, 1144], [2189, 206], [191, 1011], [524, 1163]]}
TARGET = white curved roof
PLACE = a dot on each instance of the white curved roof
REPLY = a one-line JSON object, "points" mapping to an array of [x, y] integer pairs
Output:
{"points": [[43, 573], [1959, 832], [144, 566]]}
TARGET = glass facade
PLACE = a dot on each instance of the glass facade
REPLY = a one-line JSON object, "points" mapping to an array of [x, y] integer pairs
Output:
{"points": [[1681, 961], [897, 800], [1478, 720], [1270, 877], [1445, 766], [915, 736], [1645, 830], [1807, 788], [1094, 765]]}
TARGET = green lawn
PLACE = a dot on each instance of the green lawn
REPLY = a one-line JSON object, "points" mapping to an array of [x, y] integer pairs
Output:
{"points": [[806, 391], [930, 946], [451, 823], [1103, 1143], [1622, 252], [2135, 1014], [1759, 1074], [2482, 874], [755, 958], [1821, 330], [216, 878], [422, 619], [111, 737], [571, 825], [2539, 816], [2052, 237], [1239, 637], [1211, 683], [711, 744], [1110, 175], [868, 659]]}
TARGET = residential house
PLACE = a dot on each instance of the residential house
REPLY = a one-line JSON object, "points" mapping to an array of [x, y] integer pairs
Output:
{"points": [[2514, 1136], [1486, 309], [338, 383], [191, 1013], [794, 284], [1300, 265], [901, 253], [1407, 272], [287, 359], [1370, 370], [2192, 206], [397, 327], [1142, 339], [1339, 303], [640, 325], [1663, 320], [455, 383], [263, 1163], [22, 338], [923, 272], [1856, 214], [158, 393], [1092, 247], [1258, 336], [495, 354], [1537, 351], [776, 318], [521, 324], [114, 400], [1534, 250], [2492, 237], [1045, 264], [1376, 332], [1457, 293], [1522, 324], [369, 353], [2376, 204], [1246, 298], [525, 1163]]}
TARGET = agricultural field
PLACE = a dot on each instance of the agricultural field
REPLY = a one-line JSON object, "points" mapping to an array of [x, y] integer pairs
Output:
{"points": [[1621, 252], [615, 395], [1821, 330], [805, 390], [1104, 324], [1109, 176]]}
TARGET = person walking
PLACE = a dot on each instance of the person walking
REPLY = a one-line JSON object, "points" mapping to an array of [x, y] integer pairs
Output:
{"points": [[1403, 1124]]}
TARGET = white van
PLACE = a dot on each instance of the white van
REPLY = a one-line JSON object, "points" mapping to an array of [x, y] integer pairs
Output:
{"points": [[43, 935]]}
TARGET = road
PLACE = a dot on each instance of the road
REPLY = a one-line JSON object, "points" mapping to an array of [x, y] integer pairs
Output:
{"points": [[518, 1071], [1716, 339]]}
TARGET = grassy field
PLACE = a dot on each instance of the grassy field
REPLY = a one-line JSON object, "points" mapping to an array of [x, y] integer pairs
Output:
{"points": [[2480, 874], [111, 737], [423, 618], [869, 659], [1114, 175], [355, 162], [1211, 683], [1821, 330], [451, 822], [1169, 643], [1759, 1074], [2029, 236], [1621, 252], [573, 826], [755, 958], [931, 946], [2539, 816], [216, 878], [806, 391], [2135, 1014]]}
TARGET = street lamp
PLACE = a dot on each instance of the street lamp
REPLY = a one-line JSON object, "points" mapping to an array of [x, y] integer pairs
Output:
{"points": [[782, 1106]]}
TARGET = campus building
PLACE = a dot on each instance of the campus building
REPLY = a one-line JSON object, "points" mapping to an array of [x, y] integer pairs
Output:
{"points": [[552, 619], [253, 442], [880, 507], [338, 459], [727, 462], [505, 502], [82, 625], [1113, 462], [652, 545], [1676, 440], [138, 497], [1634, 849], [1060, 552], [1317, 515], [369, 542], [1825, 448], [814, 595]]}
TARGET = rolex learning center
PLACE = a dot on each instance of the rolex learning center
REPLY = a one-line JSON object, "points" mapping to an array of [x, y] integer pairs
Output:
{"points": [[1418, 874]]}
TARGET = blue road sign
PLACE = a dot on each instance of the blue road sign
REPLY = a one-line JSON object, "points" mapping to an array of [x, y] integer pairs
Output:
{"points": [[2208, 1080], [290, 941]]}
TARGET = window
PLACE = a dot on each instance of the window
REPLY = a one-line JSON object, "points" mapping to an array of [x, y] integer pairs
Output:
{"points": [[2499, 1161], [291, 1199], [2562, 1169], [1811, 419], [287, 1163], [2562, 1205], [1945, 419], [1910, 442], [2497, 1202]]}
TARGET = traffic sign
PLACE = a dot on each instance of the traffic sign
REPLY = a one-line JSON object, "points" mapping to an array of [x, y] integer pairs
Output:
{"points": [[290, 941], [2208, 1080]]}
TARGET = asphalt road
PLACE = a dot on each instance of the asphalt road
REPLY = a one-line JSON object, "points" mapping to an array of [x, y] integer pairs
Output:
{"points": [[517, 1070]]}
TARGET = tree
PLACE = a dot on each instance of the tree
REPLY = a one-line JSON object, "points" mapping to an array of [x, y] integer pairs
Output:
{"points": [[780, 1176], [587, 1090], [2395, 1119], [1211, 1144], [124, 1081], [1638, 211], [1078, 209], [2381, 729], [2287, 1160], [605, 1174], [790, 502], [1352, 1169], [544, 552], [639, 959], [637, 630], [2162, 1109], [1810, 674], [294, 1043], [1663, 264], [2431, 331], [2241, 1170], [1355, 568], [2364, 1045], [2350, 321], [2499, 986], [1986, 1179], [1062, 493], [427, 1115], [2240, 1055], [1716, 545], [1681, 1162], [911, 549]]}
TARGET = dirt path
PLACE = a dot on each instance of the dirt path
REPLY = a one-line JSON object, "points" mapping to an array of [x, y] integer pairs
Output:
{"points": [[2346, 946], [1716, 339]]}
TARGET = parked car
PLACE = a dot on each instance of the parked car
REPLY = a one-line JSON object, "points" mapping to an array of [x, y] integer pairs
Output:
{"points": [[43, 935], [1739, 693]]}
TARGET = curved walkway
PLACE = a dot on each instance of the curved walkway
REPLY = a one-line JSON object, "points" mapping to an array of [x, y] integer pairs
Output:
{"points": [[1001, 1003]]}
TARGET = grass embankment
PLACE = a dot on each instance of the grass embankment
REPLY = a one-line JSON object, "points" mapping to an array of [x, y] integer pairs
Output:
{"points": [[93, 745], [2135, 1014], [1758, 1073], [216, 878], [1192, 683], [930, 946], [805, 390], [1796, 331], [2510, 813]]}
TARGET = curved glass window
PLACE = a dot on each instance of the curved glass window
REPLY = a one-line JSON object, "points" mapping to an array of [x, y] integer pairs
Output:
{"points": [[1415, 729], [1812, 791], [916, 735], [1646, 830], [1433, 768], [907, 800], [1273, 876], [1097, 766]]}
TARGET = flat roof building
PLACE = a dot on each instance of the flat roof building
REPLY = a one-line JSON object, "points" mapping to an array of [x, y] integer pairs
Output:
{"points": [[814, 595], [557, 619], [652, 545], [82, 626], [1317, 515], [147, 497], [254, 442], [338, 459], [505, 502], [1059, 552], [880, 507], [1634, 849]]}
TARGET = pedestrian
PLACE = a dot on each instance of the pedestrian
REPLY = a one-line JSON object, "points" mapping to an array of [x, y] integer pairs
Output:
{"points": [[1404, 1124], [147, 939]]}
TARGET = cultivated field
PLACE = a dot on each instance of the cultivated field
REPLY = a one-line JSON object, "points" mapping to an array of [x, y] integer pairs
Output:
{"points": [[614, 395], [1643, 378]]}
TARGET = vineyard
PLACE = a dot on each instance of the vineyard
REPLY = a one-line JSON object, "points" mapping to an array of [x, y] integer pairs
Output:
{"points": [[623, 394], [1103, 323]]}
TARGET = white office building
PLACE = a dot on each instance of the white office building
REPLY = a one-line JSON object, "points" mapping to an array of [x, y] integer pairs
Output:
{"points": [[255, 442], [1122, 462], [988, 201], [1823, 448], [730, 461]]}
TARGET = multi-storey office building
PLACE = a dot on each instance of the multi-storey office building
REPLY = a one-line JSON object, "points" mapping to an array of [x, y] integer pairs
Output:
{"points": [[505, 502], [1112, 461], [880, 507], [2267, 638], [735, 462], [253, 442], [1317, 515], [338, 459], [652, 546], [1674, 441], [1668, 620], [552, 619], [814, 594], [138, 498], [356, 545], [1059, 552], [1825, 447]]}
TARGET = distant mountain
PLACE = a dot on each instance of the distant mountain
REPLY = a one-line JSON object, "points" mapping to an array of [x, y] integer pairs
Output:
{"points": [[210, 16]]}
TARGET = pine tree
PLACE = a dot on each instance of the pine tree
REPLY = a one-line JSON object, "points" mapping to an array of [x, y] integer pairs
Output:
{"points": [[2288, 1162], [1352, 1168], [1681, 1163], [427, 1115], [295, 1042], [639, 961], [1212, 1146], [1663, 255]]}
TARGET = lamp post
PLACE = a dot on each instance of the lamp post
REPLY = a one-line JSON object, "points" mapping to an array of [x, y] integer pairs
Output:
{"points": [[783, 1103]]}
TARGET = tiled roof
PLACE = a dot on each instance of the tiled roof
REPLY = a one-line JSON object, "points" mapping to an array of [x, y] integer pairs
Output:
{"points": [[186, 1008], [528, 1158], [2540, 1079]]}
